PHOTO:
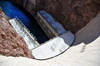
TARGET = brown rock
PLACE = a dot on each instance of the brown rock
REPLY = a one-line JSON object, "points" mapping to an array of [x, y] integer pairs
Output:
{"points": [[14, 34], [3, 36], [13, 52], [22, 40], [1, 46], [10, 43], [20, 51], [20, 44], [14, 45], [4, 51]]}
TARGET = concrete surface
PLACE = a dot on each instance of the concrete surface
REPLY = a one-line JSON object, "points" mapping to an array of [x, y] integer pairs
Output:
{"points": [[23, 31], [51, 22], [54, 46]]}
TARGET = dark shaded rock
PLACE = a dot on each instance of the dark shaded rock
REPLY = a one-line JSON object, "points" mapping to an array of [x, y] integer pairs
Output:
{"points": [[72, 14]]}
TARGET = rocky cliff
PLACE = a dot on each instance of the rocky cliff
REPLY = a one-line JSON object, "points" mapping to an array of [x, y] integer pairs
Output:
{"points": [[72, 14], [11, 44]]}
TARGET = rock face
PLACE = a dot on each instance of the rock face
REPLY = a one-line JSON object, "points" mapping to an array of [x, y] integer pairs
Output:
{"points": [[11, 44], [72, 14]]}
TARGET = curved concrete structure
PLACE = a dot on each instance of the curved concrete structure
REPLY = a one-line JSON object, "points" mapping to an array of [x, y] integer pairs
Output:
{"points": [[84, 52], [54, 46]]}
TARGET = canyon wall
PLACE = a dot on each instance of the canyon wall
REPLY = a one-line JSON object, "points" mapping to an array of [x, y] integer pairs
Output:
{"points": [[72, 14], [11, 44]]}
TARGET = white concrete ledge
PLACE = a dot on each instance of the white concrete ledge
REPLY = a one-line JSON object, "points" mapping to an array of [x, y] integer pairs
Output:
{"points": [[54, 47]]}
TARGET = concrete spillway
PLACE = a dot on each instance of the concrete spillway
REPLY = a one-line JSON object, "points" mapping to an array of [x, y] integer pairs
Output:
{"points": [[24, 32]]}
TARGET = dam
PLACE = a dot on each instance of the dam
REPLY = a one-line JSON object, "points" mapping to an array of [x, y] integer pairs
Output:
{"points": [[61, 39], [62, 47]]}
